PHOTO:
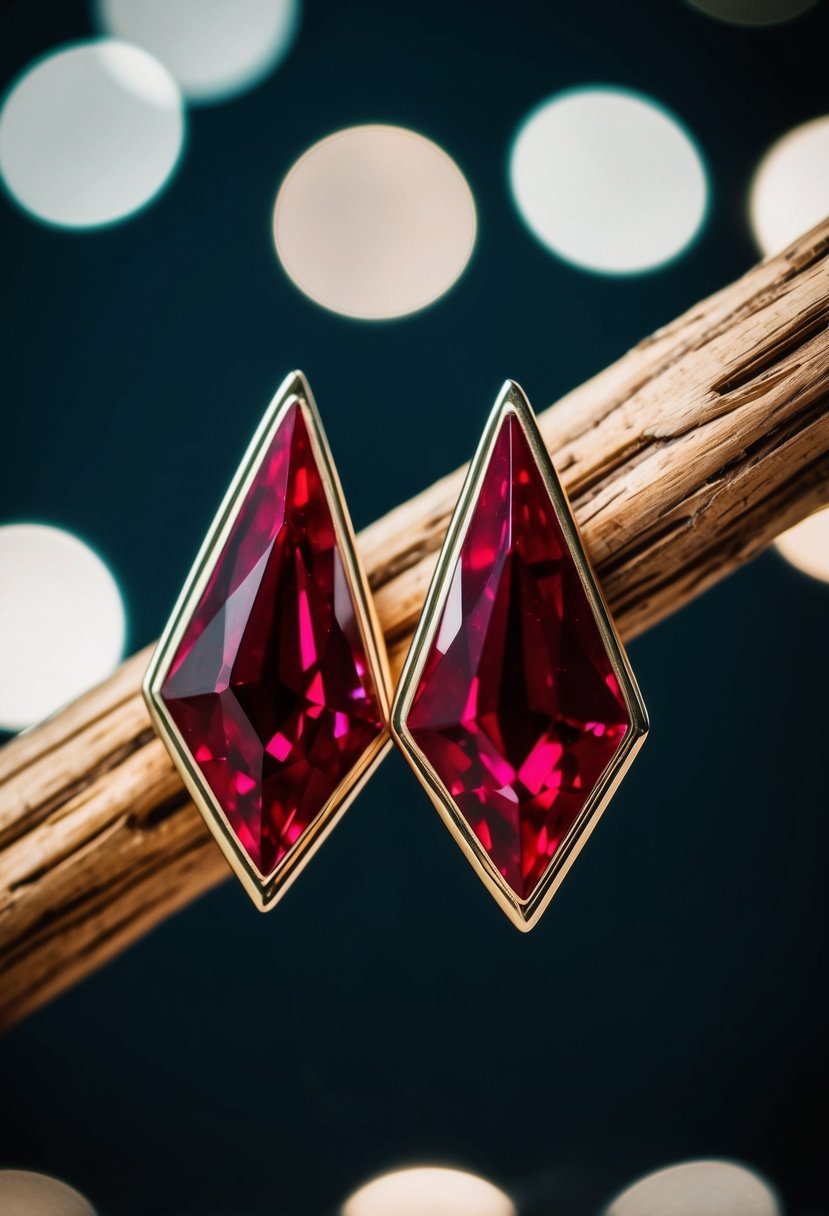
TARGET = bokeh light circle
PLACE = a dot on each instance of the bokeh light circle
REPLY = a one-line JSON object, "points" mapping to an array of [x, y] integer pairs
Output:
{"points": [[698, 1188], [215, 49], [374, 222], [753, 12], [608, 180], [62, 621], [90, 134], [23, 1193], [790, 189], [806, 545], [428, 1191]]}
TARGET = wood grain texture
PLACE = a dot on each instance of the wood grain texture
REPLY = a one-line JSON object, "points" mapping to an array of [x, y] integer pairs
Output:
{"points": [[683, 460]]}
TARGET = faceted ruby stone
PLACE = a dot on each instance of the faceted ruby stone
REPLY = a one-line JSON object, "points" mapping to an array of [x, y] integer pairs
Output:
{"points": [[270, 686], [518, 709]]}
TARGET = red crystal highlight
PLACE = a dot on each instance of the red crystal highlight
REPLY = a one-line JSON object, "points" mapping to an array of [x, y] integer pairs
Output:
{"points": [[270, 686], [518, 709]]}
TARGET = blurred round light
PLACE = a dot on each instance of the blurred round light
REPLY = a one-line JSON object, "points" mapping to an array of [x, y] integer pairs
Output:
{"points": [[90, 134], [609, 180], [374, 222], [698, 1188], [26, 1194], [790, 190], [428, 1191], [62, 621], [806, 546], [753, 12], [215, 48]]}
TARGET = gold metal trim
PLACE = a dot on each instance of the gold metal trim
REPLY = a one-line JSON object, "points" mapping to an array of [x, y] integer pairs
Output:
{"points": [[523, 913], [266, 889]]}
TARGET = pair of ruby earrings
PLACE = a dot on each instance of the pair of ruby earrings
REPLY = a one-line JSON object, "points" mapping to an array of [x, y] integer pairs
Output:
{"points": [[516, 707]]}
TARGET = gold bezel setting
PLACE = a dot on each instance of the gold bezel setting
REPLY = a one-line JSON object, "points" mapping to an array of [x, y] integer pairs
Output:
{"points": [[266, 889], [524, 913]]}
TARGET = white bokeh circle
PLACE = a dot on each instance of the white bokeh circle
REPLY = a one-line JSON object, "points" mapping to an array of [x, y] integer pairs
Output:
{"points": [[753, 12], [698, 1188], [428, 1191], [216, 49], [25, 1193], [608, 180], [806, 545], [90, 134], [62, 621], [790, 189], [374, 222]]}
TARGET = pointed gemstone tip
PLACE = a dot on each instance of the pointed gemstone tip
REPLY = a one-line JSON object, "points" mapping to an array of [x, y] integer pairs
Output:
{"points": [[270, 686], [513, 394], [517, 708], [295, 384]]}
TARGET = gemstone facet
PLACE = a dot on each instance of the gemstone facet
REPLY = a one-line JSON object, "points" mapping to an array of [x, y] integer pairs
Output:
{"points": [[270, 686], [516, 705]]}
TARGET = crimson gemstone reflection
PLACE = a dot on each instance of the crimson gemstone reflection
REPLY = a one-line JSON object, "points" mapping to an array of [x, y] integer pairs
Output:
{"points": [[270, 687], [518, 709]]}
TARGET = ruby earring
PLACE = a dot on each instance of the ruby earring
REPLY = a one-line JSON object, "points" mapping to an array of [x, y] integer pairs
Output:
{"points": [[517, 708], [269, 686]]}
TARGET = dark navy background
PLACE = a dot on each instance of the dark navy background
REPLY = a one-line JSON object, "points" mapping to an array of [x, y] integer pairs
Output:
{"points": [[674, 1000]]}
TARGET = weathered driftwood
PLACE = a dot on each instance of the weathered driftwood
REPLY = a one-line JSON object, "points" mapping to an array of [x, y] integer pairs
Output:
{"points": [[683, 460]]}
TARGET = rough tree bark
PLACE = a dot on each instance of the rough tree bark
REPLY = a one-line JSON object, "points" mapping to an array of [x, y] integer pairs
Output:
{"points": [[683, 460]]}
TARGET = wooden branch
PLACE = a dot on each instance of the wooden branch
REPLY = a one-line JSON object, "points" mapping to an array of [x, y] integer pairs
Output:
{"points": [[683, 460]]}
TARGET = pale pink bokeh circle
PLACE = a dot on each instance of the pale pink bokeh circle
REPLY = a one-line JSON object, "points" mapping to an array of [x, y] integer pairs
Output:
{"points": [[24, 1193], [374, 222], [806, 545], [428, 1191]]}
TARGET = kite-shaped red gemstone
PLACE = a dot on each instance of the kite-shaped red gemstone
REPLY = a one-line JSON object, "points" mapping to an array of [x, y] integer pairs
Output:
{"points": [[270, 687], [516, 704]]}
